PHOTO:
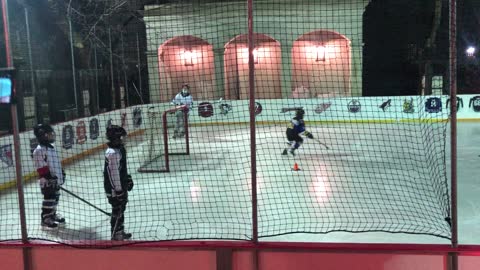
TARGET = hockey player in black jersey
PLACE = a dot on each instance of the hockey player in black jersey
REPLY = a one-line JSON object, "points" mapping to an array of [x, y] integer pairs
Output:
{"points": [[51, 174], [294, 130], [117, 181]]}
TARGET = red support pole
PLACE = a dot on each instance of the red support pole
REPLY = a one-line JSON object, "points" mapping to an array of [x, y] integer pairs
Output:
{"points": [[165, 140], [187, 133], [453, 129], [251, 84], [16, 141]]}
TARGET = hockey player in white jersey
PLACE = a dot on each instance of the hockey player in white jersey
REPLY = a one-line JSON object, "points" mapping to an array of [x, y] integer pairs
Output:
{"points": [[117, 182], [182, 98], [51, 174]]}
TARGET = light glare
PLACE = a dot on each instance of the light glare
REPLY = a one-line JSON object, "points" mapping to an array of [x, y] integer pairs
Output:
{"points": [[470, 51]]}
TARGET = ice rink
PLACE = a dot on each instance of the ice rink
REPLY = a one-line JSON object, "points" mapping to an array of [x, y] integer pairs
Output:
{"points": [[363, 182]]}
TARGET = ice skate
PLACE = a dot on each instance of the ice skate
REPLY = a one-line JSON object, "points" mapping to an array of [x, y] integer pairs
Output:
{"points": [[121, 235], [49, 224], [59, 219]]}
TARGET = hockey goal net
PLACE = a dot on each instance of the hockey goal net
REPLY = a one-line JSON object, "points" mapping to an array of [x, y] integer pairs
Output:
{"points": [[163, 139]]}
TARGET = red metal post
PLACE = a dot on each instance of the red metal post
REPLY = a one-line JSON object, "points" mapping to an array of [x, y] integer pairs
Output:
{"points": [[16, 141], [165, 133], [253, 156], [453, 128], [165, 140], [185, 125]]}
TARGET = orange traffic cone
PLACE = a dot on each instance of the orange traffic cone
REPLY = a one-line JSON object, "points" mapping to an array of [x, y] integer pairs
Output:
{"points": [[295, 167]]}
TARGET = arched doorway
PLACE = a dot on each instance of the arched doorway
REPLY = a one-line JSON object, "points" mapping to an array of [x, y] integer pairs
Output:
{"points": [[267, 57], [321, 65], [186, 59]]}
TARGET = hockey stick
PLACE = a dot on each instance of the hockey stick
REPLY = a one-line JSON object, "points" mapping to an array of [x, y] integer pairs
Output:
{"points": [[322, 143], [213, 102], [286, 109], [85, 201], [197, 106], [285, 151], [116, 225]]}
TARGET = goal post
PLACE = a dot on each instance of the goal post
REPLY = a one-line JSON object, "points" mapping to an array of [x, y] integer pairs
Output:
{"points": [[160, 143]]}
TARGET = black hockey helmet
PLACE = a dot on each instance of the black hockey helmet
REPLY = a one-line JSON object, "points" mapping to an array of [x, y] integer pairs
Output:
{"points": [[115, 132], [41, 131], [300, 112]]}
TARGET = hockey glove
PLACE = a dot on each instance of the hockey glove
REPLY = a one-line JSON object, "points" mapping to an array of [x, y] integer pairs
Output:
{"points": [[309, 135], [129, 183]]}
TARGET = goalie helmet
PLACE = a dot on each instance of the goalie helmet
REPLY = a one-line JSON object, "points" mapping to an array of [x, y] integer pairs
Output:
{"points": [[115, 132], [185, 90], [41, 132], [300, 113]]}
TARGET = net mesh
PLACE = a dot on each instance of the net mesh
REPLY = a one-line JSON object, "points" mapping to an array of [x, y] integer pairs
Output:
{"points": [[370, 76]]}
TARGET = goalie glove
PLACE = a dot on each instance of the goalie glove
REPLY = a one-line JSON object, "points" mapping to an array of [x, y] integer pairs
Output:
{"points": [[308, 134], [129, 183]]}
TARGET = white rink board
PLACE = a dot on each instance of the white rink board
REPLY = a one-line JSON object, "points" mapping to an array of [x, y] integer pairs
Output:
{"points": [[337, 111]]}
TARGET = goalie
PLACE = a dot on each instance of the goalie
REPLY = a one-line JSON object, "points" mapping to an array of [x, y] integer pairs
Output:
{"points": [[182, 98], [294, 130]]}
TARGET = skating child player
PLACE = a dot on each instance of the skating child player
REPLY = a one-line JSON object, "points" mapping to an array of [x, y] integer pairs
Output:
{"points": [[51, 175], [296, 128], [117, 182], [182, 98]]}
